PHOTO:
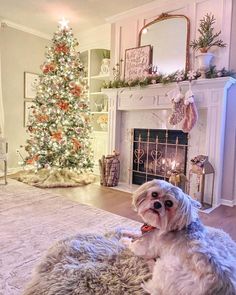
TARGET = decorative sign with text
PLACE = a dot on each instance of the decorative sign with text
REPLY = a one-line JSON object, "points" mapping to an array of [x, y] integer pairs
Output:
{"points": [[137, 62]]}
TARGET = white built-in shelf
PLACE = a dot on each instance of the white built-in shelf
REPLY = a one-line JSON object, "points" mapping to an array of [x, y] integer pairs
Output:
{"points": [[100, 77], [96, 93], [99, 112], [92, 59], [100, 132]]}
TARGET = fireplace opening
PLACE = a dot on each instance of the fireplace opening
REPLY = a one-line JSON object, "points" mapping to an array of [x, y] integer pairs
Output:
{"points": [[157, 153]]}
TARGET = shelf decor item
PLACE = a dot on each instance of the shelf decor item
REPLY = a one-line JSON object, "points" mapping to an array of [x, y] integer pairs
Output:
{"points": [[207, 39], [103, 126], [102, 121], [99, 106], [137, 61], [105, 66]]}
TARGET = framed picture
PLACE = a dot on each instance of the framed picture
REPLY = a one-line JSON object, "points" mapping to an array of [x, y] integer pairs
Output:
{"points": [[31, 83], [137, 62], [27, 111]]}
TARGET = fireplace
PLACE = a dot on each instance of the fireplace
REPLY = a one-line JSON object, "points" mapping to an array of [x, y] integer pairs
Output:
{"points": [[149, 107], [157, 153]]}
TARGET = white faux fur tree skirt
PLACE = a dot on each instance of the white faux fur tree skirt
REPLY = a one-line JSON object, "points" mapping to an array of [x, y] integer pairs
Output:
{"points": [[54, 178]]}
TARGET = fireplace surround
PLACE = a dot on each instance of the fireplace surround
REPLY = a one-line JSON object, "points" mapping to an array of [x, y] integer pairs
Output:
{"points": [[149, 107]]}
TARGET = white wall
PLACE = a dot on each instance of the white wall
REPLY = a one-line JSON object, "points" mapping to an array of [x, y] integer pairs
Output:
{"points": [[232, 60], [99, 37], [229, 175], [20, 52]]}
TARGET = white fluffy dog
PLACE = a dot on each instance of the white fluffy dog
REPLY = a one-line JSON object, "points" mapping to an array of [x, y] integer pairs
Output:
{"points": [[190, 258]]}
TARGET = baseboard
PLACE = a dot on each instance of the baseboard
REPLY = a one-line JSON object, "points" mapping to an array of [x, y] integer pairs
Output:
{"points": [[229, 203], [11, 171]]}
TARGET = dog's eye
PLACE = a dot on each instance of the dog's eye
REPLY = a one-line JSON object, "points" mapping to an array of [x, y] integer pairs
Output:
{"points": [[154, 194], [168, 203]]}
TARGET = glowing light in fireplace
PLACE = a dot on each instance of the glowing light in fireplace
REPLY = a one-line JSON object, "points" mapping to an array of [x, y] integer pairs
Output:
{"points": [[173, 165]]}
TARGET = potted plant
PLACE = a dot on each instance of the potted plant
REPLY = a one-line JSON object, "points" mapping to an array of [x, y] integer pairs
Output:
{"points": [[207, 39], [105, 66]]}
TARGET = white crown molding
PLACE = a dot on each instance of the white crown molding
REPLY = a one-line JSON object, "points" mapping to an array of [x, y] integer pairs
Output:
{"points": [[141, 9], [5, 22], [96, 29], [161, 5], [101, 44], [98, 37], [88, 44]]}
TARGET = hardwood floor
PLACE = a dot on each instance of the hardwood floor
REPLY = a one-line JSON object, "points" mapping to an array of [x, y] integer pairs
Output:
{"points": [[101, 197], [120, 203]]}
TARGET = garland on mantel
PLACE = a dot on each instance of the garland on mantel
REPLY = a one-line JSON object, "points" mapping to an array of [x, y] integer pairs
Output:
{"points": [[177, 76]]}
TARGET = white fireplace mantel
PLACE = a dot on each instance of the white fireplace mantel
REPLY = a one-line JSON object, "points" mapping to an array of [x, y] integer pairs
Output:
{"points": [[137, 107]]}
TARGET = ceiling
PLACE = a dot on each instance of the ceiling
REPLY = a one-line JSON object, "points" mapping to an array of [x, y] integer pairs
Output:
{"points": [[43, 15]]}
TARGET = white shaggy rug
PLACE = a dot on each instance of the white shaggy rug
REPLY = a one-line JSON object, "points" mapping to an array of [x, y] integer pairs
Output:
{"points": [[31, 220], [89, 264]]}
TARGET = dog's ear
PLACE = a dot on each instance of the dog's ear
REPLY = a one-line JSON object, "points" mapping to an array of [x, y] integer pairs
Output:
{"points": [[137, 199], [141, 192], [194, 203], [187, 210]]}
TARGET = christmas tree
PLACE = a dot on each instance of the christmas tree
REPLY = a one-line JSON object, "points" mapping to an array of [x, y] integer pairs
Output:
{"points": [[59, 127]]}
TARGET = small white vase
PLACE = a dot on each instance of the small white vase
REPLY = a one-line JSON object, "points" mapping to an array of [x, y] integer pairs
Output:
{"points": [[204, 62], [105, 66]]}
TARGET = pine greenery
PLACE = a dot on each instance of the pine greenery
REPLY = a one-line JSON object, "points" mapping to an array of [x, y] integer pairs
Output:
{"points": [[207, 37]]}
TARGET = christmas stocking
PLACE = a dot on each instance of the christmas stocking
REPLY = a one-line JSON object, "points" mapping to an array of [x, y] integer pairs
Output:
{"points": [[190, 111], [178, 106]]}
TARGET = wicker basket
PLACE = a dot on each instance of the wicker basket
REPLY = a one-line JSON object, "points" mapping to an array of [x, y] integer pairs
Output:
{"points": [[109, 170]]}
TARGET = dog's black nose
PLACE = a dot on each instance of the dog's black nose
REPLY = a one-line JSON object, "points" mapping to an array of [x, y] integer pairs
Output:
{"points": [[157, 205]]}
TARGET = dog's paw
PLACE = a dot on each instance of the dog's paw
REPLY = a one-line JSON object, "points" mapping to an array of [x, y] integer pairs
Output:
{"points": [[126, 242], [145, 288], [150, 288], [130, 234]]}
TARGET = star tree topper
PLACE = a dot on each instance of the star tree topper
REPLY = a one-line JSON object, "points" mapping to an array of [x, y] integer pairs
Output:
{"points": [[64, 23]]}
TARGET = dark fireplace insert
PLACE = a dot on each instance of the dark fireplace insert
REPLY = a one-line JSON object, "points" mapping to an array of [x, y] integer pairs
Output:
{"points": [[157, 153]]}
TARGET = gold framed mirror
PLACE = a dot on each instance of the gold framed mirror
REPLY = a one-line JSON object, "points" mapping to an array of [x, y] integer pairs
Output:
{"points": [[169, 37]]}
